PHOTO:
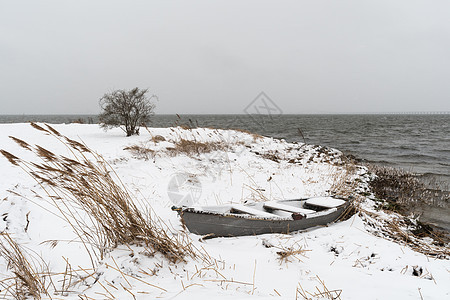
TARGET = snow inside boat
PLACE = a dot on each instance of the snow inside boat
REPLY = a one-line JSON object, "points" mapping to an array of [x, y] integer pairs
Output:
{"points": [[254, 218]]}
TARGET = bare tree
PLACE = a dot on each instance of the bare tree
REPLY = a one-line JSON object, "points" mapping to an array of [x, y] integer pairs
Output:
{"points": [[126, 109]]}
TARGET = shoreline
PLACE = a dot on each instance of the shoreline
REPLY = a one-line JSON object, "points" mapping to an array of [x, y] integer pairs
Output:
{"points": [[429, 178]]}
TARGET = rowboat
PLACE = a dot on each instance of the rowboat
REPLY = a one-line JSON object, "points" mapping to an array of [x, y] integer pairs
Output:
{"points": [[255, 218]]}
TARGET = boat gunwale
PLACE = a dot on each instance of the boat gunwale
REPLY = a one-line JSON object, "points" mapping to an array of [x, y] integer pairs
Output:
{"points": [[323, 212]]}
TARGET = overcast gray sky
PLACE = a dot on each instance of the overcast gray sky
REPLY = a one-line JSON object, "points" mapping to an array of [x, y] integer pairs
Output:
{"points": [[60, 57]]}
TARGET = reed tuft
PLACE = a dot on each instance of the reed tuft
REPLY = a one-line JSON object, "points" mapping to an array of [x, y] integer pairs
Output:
{"points": [[101, 212], [37, 127], [21, 143], [10, 157]]}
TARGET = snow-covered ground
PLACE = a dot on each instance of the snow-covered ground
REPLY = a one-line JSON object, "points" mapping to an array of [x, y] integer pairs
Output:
{"points": [[347, 257]]}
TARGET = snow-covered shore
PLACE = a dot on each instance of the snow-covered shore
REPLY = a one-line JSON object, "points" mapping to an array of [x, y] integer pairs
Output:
{"points": [[239, 167]]}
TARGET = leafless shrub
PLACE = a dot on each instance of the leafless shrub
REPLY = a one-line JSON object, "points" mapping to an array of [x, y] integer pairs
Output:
{"points": [[126, 109], [27, 281], [86, 183]]}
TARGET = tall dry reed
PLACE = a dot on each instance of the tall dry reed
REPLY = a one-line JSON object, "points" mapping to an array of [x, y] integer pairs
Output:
{"points": [[90, 196]]}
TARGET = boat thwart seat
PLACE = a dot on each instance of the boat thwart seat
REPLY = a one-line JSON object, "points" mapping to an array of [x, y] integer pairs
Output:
{"points": [[251, 211], [273, 205], [324, 202]]}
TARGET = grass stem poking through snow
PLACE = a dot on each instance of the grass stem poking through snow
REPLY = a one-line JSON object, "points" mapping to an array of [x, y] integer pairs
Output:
{"points": [[321, 293], [27, 282]]}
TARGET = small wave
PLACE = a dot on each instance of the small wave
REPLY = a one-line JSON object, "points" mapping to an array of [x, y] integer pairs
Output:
{"points": [[382, 162], [432, 174], [422, 157], [442, 150], [403, 147], [354, 142]]}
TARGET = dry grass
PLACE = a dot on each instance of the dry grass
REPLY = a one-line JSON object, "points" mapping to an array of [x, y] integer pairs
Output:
{"points": [[255, 136], [141, 151], [402, 190], [193, 147], [27, 281], [343, 182], [398, 192], [396, 187], [397, 229], [345, 185], [183, 146], [100, 211], [189, 147], [321, 292], [286, 253], [158, 138]]}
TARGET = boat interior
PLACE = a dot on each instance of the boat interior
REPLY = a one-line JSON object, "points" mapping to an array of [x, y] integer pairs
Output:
{"points": [[284, 209]]}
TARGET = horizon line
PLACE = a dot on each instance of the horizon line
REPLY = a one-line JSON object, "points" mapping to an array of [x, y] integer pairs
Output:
{"points": [[304, 113]]}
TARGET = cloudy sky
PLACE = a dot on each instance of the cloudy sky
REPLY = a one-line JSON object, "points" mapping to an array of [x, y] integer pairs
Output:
{"points": [[60, 57]]}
